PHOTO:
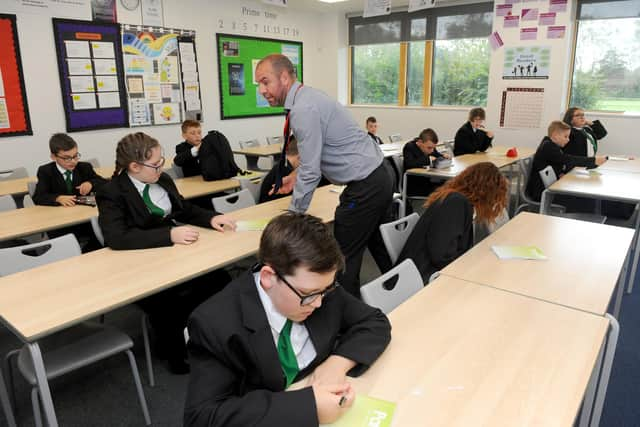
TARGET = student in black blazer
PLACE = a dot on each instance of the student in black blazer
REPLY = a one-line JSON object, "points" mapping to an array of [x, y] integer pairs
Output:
{"points": [[239, 338], [585, 134], [445, 229], [417, 154], [372, 129], [139, 209], [472, 137], [551, 152]]}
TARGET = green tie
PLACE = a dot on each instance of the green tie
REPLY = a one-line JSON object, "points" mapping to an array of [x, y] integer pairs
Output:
{"points": [[592, 140], [286, 355], [155, 210], [67, 180]]}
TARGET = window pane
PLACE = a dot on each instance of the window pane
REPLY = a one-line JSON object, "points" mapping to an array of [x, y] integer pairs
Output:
{"points": [[419, 29], [464, 26], [609, 9], [415, 73], [375, 74], [607, 65], [460, 72]]}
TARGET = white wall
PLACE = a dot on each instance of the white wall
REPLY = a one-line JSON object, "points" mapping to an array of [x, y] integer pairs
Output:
{"points": [[409, 121], [318, 32]]}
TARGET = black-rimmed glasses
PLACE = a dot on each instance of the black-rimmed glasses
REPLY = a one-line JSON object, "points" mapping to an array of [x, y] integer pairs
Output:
{"points": [[156, 168], [310, 298], [69, 159]]}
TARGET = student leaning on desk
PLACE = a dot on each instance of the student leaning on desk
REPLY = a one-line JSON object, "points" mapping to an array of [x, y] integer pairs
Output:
{"points": [[472, 136], [283, 320], [139, 209]]}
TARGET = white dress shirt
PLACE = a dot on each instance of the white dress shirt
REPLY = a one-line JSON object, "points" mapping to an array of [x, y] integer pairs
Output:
{"points": [[300, 340], [63, 171], [158, 195]]}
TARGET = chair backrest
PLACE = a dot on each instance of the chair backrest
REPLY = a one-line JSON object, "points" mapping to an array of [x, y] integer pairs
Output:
{"points": [[234, 201], [398, 162], [97, 230], [7, 203], [27, 202], [253, 185], [20, 258], [185, 333], [525, 172], [396, 137], [394, 287], [548, 176], [94, 162], [274, 140], [396, 233], [31, 187], [13, 173], [449, 144], [250, 143], [177, 170]]}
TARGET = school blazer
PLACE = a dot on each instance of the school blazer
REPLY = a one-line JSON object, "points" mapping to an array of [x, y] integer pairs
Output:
{"points": [[413, 157], [127, 223], [577, 145], [190, 165], [375, 138], [442, 234], [236, 378], [468, 142], [51, 183], [550, 153]]}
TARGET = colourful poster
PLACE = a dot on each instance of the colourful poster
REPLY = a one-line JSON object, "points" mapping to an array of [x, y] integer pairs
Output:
{"points": [[503, 9], [556, 32], [526, 63], [547, 18], [511, 21], [529, 14], [529, 33], [495, 41], [557, 5]]}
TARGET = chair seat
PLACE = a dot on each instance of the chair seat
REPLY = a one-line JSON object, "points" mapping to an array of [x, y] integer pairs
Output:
{"points": [[74, 348]]}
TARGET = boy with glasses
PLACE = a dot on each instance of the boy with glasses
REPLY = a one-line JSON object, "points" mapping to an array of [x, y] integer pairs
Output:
{"points": [[286, 319]]}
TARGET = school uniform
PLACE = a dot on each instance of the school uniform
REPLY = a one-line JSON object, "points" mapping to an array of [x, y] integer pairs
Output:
{"points": [[187, 157], [237, 379], [414, 157], [443, 233], [584, 142], [375, 138], [128, 223], [551, 154], [470, 141]]}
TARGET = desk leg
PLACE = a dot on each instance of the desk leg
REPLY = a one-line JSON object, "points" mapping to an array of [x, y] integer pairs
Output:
{"points": [[545, 201], [622, 283], [43, 385], [6, 404], [403, 205], [252, 162], [612, 342], [592, 388], [636, 252], [518, 181]]}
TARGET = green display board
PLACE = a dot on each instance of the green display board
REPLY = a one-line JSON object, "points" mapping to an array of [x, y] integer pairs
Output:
{"points": [[237, 60]]}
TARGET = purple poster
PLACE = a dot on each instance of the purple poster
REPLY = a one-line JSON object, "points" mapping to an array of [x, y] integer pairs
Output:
{"points": [[511, 21], [556, 32], [529, 33], [529, 14], [557, 5], [547, 18], [503, 9]]}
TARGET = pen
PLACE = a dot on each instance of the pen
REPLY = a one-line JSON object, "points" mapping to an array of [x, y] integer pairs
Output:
{"points": [[343, 399]]}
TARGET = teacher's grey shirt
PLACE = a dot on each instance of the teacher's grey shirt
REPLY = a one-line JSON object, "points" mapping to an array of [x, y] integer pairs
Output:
{"points": [[329, 141]]}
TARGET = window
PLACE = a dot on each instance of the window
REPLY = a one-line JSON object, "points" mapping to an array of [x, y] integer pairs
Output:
{"points": [[606, 72], [436, 56]]}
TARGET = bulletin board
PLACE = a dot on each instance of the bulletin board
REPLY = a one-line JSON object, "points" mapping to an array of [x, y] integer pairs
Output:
{"points": [[90, 68], [237, 60], [14, 111], [161, 75]]}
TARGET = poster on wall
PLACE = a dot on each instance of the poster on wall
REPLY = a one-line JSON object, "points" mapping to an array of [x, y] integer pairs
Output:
{"points": [[14, 111], [90, 68], [527, 63], [161, 74], [522, 108], [376, 8], [103, 10], [238, 57], [76, 9]]}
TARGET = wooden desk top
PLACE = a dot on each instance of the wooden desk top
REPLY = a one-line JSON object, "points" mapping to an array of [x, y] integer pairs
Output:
{"points": [[601, 183], [496, 155], [195, 186], [261, 151], [36, 219], [40, 301], [584, 261], [632, 166], [15, 186], [467, 355]]}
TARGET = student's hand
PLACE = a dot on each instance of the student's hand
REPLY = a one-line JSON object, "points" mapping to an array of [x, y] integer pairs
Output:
{"points": [[219, 221], [600, 160], [85, 188], [288, 183], [588, 122], [446, 155], [184, 235], [328, 401], [332, 371], [488, 132], [66, 200]]}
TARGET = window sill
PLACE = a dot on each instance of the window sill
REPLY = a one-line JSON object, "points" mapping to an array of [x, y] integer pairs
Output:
{"points": [[412, 107]]}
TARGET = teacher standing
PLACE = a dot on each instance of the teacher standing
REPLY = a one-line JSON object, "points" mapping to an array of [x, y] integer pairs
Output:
{"points": [[332, 145]]}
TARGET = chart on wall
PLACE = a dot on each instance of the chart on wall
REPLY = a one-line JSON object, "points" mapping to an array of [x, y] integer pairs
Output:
{"points": [[237, 60], [90, 68], [14, 112], [161, 75], [526, 62]]}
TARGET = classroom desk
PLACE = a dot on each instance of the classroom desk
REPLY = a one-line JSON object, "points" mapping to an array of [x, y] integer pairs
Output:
{"points": [[391, 149], [101, 280], [252, 154], [632, 166], [601, 184], [468, 355]]}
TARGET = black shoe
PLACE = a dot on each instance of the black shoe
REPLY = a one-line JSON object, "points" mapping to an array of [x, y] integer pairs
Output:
{"points": [[179, 367]]}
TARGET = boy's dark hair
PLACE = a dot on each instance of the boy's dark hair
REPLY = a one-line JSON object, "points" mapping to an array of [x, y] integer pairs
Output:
{"points": [[135, 147], [568, 115], [190, 124], [293, 240], [371, 119], [478, 113], [61, 142], [429, 135]]}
